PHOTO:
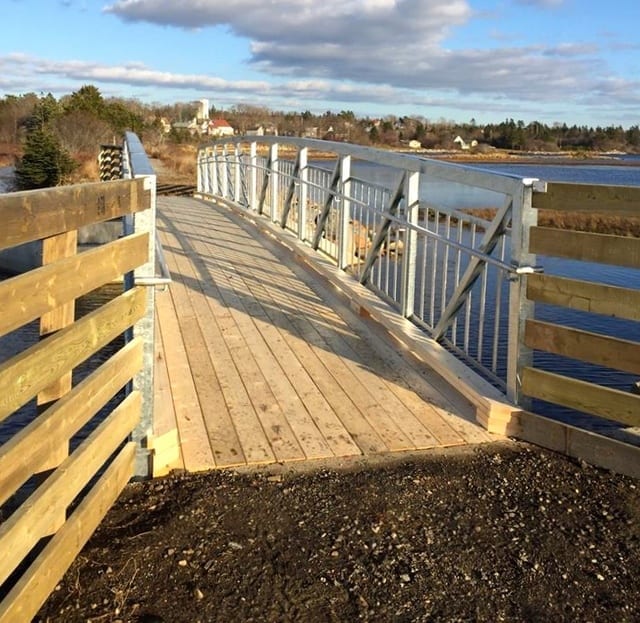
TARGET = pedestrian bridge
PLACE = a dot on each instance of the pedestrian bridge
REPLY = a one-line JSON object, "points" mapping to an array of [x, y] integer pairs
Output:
{"points": [[295, 310]]}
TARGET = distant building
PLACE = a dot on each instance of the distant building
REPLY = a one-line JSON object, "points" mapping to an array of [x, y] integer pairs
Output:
{"points": [[458, 140], [219, 128], [203, 110], [257, 131], [413, 144]]}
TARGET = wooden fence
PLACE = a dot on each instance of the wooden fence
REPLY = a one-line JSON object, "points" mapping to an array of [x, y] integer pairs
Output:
{"points": [[54, 492], [591, 297]]}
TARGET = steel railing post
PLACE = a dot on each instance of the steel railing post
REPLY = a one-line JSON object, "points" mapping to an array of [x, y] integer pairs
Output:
{"points": [[237, 183], [410, 242], [346, 229], [213, 167], [253, 176], [519, 356], [303, 192], [274, 207]]}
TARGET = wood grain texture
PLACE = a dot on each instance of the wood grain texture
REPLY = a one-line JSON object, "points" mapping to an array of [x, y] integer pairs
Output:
{"points": [[586, 247], [584, 295], [583, 345], [53, 249], [32, 589], [280, 369], [36, 214], [26, 374], [37, 292], [586, 397], [37, 517], [595, 198], [27, 451]]}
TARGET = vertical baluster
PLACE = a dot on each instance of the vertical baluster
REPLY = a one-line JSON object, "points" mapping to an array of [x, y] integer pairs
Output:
{"points": [[409, 252], [498, 309], [346, 229], [237, 182]]}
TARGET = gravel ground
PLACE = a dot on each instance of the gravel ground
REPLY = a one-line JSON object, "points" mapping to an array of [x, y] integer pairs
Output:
{"points": [[502, 532]]}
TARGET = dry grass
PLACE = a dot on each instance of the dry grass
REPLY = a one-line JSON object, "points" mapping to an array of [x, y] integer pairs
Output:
{"points": [[577, 221], [178, 162]]}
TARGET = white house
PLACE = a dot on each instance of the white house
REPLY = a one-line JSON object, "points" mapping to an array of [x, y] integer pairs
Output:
{"points": [[219, 128], [464, 145]]}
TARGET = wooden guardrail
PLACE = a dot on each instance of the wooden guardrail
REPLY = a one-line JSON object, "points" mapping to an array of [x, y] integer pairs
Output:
{"points": [[597, 298], [53, 493]]}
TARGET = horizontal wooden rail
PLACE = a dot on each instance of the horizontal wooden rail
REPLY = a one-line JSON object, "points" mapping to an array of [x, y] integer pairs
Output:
{"points": [[589, 398], [39, 291], [583, 345], [27, 451], [594, 198], [33, 215], [35, 518], [584, 295], [587, 247], [26, 374], [30, 592]]}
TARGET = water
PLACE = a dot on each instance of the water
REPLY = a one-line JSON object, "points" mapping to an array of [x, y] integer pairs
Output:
{"points": [[451, 196], [22, 338]]}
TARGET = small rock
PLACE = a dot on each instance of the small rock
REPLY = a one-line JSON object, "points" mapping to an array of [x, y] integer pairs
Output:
{"points": [[198, 594], [182, 563]]}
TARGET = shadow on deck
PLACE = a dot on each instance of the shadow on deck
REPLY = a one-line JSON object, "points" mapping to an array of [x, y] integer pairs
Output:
{"points": [[258, 362]]}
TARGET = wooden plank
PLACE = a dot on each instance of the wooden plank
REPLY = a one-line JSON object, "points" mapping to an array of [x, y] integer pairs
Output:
{"points": [[39, 580], [290, 428], [587, 397], [23, 376], [27, 451], [596, 198], [56, 248], [584, 295], [37, 292], [586, 247], [583, 345], [234, 432], [212, 368], [596, 449], [33, 520], [36, 214], [196, 450], [167, 454]]}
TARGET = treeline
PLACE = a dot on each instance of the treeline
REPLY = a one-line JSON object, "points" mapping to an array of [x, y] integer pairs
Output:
{"points": [[52, 141]]}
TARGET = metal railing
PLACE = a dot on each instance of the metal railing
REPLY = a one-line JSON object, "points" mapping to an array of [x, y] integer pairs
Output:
{"points": [[456, 272]]}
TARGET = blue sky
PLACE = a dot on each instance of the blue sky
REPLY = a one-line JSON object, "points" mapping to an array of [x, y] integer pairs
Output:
{"points": [[573, 61]]}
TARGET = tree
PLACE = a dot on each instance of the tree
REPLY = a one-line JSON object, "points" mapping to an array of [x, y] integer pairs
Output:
{"points": [[44, 162]]}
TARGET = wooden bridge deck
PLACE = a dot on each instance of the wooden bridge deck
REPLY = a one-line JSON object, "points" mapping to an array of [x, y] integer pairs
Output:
{"points": [[257, 362]]}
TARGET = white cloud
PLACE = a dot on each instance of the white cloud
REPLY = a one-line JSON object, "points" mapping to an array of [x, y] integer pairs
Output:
{"points": [[399, 43]]}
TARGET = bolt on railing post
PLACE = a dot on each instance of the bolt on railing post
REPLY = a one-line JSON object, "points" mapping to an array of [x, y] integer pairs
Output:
{"points": [[237, 184], [345, 241], [523, 217], [410, 242], [303, 193], [253, 176]]}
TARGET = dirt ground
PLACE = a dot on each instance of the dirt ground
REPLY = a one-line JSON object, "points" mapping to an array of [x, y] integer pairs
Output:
{"points": [[502, 532]]}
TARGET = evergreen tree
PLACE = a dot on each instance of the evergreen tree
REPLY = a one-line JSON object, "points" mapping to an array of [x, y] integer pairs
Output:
{"points": [[44, 162]]}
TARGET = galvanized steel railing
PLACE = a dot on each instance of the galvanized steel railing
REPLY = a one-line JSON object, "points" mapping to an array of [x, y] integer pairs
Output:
{"points": [[457, 273]]}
